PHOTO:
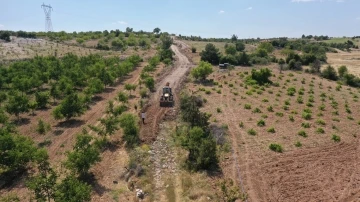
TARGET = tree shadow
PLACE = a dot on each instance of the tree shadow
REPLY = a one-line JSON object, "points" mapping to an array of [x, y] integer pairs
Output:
{"points": [[58, 132], [72, 123], [112, 146], [98, 188], [21, 121], [96, 99], [9, 180], [109, 89]]}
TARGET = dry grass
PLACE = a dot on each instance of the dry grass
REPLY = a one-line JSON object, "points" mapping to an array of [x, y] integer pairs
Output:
{"points": [[350, 59]]}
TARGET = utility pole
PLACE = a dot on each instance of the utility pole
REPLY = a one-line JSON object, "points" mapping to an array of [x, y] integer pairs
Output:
{"points": [[47, 11]]}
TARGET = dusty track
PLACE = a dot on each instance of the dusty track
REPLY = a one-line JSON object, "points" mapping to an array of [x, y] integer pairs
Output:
{"points": [[154, 112]]}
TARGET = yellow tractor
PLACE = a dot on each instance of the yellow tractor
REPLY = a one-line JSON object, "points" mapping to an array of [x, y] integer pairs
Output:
{"points": [[167, 98]]}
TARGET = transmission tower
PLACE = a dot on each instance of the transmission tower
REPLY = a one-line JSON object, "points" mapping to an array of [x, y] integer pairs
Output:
{"points": [[47, 11]]}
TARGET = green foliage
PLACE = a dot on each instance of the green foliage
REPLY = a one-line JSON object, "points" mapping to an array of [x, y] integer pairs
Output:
{"points": [[203, 70], [128, 122], [298, 144], [17, 104], [71, 189], [336, 138], [211, 54], [320, 130], [229, 190], [271, 130], [83, 156], [202, 149], [230, 49], [191, 113], [302, 133], [261, 77], [276, 147], [240, 46], [150, 83], [43, 184], [291, 91], [261, 123], [306, 116], [329, 73], [16, 151], [130, 87], [305, 125], [342, 70], [252, 132], [268, 47], [247, 106], [193, 49], [71, 106], [42, 127], [42, 99], [123, 97]]}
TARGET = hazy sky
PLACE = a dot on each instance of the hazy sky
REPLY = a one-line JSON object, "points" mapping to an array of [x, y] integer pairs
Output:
{"points": [[207, 18]]}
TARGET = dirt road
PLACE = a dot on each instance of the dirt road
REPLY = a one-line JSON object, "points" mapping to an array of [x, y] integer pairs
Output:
{"points": [[154, 112]]}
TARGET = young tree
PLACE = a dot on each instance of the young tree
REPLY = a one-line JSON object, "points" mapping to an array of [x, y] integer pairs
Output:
{"points": [[70, 107], [202, 71], [3, 97], [42, 99], [17, 104], [230, 50], [316, 66], [281, 64], [329, 73], [240, 46], [3, 117], [211, 54], [32, 106], [130, 87], [43, 184], [55, 91], [42, 127], [123, 97], [342, 71], [128, 123], [266, 46], [83, 156], [150, 83], [71, 189]]}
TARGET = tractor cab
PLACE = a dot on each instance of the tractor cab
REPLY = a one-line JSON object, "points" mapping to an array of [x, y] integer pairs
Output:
{"points": [[166, 90]]}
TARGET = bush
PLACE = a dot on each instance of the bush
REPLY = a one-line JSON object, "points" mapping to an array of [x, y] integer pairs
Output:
{"points": [[336, 138], [276, 148], [298, 144], [252, 132], [306, 116], [320, 130], [211, 54], [271, 130], [305, 125], [42, 127], [329, 73], [193, 49], [291, 91], [261, 123], [203, 70], [261, 77], [302, 133], [247, 106]]}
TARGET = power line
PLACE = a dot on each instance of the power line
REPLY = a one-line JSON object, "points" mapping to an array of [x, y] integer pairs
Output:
{"points": [[47, 11]]}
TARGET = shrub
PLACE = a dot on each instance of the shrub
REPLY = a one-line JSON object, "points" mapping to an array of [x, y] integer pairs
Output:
{"points": [[261, 123], [305, 125], [322, 107], [321, 122], [291, 91], [203, 70], [241, 124], [302, 133], [271, 130], [298, 144], [211, 54], [300, 100], [329, 73], [261, 77], [279, 114], [276, 148], [252, 132], [336, 138], [193, 49], [270, 109], [306, 116], [291, 118], [320, 130], [218, 110], [143, 93], [42, 127], [256, 110], [247, 106]]}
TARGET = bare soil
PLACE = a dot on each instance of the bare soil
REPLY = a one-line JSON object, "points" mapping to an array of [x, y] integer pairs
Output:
{"points": [[320, 170]]}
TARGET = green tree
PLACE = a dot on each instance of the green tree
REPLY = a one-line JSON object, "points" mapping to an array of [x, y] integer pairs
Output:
{"points": [[262, 76], [5, 36], [150, 83], [234, 38], [128, 123], [3, 97], [95, 86], [157, 30], [118, 44], [243, 59], [83, 156], [3, 117], [32, 106], [43, 184], [203, 70], [211, 54], [240, 46], [42, 127], [230, 49], [17, 104], [71, 106], [123, 97], [55, 91], [109, 125], [266, 46], [16, 151], [130, 87], [329, 73], [42, 99], [261, 53], [202, 149], [316, 66], [191, 113], [72, 190], [342, 71], [281, 64]]}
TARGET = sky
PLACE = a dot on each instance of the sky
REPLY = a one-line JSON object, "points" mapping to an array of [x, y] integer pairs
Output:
{"points": [[205, 18]]}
